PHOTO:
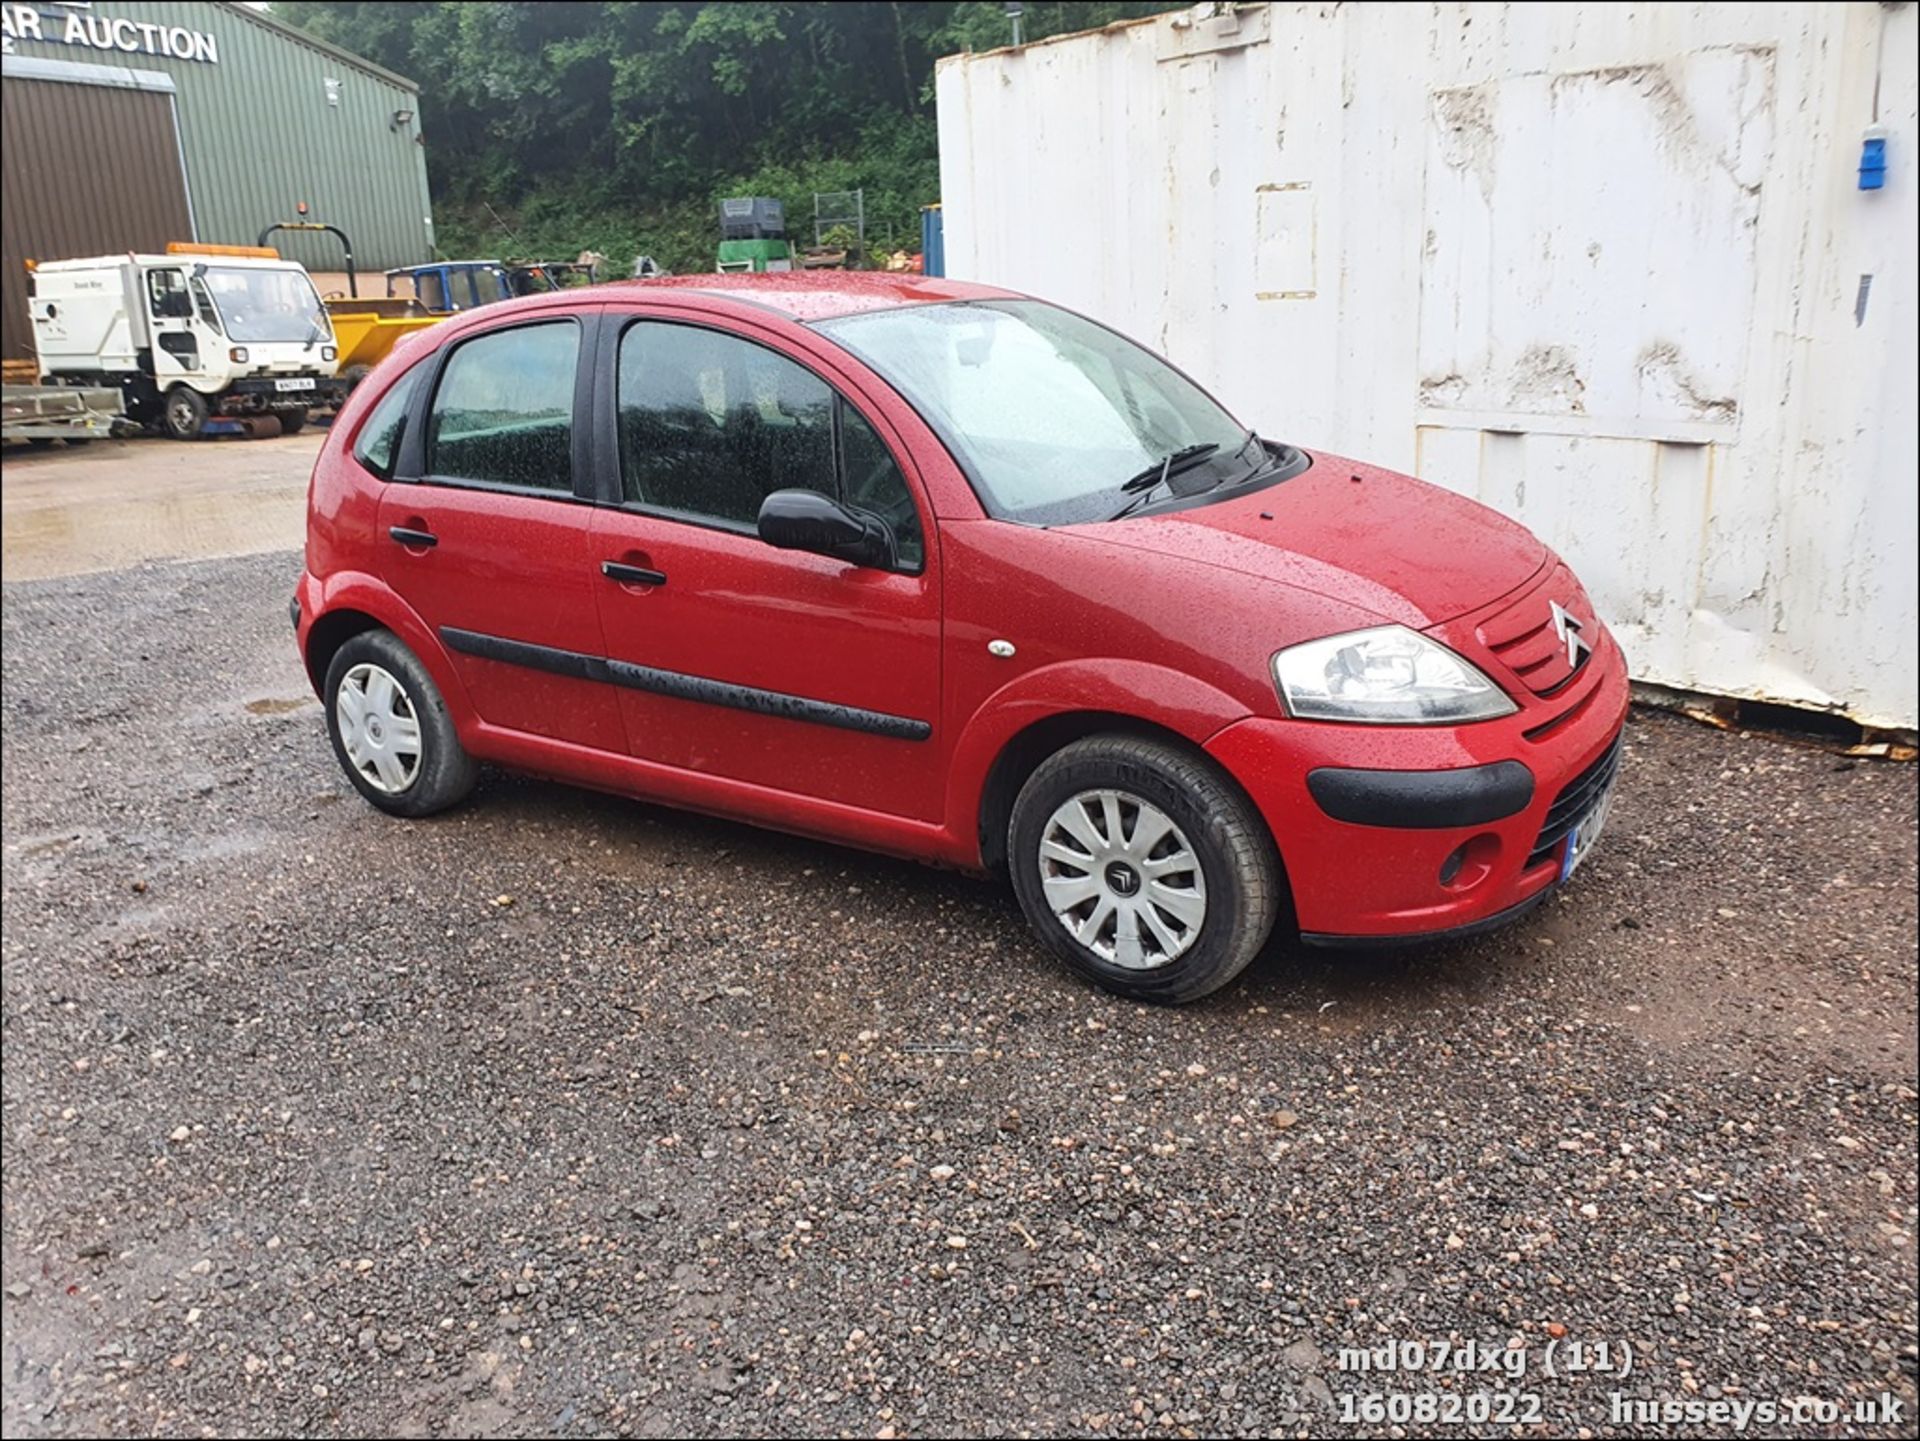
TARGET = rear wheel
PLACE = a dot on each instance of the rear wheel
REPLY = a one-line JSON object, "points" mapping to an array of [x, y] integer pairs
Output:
{"points": [[1143, 868], [291, 421], [185, 414], [390, 728]]}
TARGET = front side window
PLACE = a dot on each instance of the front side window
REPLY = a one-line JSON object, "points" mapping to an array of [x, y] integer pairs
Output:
{"points": [[874, 483], [268, 306], [167, 295], [503, 411], [379, 444], [1050, 414], [712, 424]]}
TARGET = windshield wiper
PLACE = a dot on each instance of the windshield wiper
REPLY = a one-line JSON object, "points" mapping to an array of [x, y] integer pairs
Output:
{"points": [[1185, 458]]}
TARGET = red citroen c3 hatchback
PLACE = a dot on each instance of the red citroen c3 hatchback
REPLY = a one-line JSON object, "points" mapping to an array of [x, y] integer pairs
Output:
{"points": [[948, 572]]}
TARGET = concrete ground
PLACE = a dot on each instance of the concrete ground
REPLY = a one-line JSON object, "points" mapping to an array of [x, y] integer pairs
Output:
{"points": [[562, 1114], [118, 502]]}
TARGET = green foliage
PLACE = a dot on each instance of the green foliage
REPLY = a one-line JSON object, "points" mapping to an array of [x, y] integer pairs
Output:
{"points": [[619, 126]]}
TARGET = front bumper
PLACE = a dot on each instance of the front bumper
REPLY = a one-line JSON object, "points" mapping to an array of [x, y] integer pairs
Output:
{"points": [[1410, 804]]}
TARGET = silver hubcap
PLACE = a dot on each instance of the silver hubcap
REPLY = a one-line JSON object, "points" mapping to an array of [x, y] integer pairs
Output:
{"points": [[378, 728], [1122, 878]]}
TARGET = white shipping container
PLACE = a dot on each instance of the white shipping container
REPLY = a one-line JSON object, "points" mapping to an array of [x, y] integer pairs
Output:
{"points": [[1606, 267]]}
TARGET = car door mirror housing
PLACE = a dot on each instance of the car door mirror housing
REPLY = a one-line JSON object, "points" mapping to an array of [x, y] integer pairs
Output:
{"points": [[807, 520]]}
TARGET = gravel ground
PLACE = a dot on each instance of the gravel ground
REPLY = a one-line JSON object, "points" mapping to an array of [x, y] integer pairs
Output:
{"points": [[563, 1114]]}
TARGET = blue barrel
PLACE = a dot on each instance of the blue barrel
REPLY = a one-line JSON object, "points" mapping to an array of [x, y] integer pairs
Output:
{"points": [[933, 240]]}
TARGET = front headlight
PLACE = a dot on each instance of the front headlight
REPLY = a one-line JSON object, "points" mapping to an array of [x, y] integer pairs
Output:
{"points": [[1388, 675]]}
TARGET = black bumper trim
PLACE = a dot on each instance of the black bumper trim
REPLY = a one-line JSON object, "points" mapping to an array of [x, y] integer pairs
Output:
{"points": [[1430, 938], [1423, 800]]}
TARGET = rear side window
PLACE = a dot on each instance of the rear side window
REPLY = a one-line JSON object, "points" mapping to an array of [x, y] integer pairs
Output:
{"points": [[503, 411], [379, 444]]}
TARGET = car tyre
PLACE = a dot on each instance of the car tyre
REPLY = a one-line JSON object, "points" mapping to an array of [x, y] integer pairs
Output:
{"points": [[185, 413], [390, 728], [1191, 860]]}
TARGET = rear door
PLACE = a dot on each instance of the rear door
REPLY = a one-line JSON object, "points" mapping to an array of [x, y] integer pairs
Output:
{"points": [[486, 528], [777, 668]]}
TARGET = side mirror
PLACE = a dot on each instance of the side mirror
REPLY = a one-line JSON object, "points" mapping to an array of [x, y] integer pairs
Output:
{"points": [[807, 520]]}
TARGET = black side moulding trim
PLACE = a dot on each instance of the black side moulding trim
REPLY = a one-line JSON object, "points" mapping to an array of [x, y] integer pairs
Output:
{"points": [[682, 686], [1423, 800]]}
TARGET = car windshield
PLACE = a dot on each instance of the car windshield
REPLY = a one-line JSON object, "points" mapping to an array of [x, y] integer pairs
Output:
{"points": [[1050, 414], [264, 306]]}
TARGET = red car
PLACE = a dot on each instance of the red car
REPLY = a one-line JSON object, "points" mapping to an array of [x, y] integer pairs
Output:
{"points": [[948, 572]]}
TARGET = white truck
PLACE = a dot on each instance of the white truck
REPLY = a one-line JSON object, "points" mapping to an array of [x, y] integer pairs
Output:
{"points": [[188, 336]]}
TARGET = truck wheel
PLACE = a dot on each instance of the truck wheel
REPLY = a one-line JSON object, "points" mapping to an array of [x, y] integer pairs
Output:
{"points": [[354, 374], [291, 420], [186, 413]]}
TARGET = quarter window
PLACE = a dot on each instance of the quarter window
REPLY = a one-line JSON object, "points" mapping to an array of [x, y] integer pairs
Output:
{"points": [[711, 425], [503, 411]]}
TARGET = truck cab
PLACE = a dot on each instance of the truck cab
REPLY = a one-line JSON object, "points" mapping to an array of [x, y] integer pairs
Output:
{"points": [[450, 286], [188, 336]]}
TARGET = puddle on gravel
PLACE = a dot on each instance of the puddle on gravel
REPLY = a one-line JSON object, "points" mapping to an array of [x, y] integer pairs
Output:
{"points": [[279, 705]]}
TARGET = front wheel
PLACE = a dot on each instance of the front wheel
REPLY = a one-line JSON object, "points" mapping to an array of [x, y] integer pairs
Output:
{"points": [[1143, 868], [186, 413], [390, 728]]}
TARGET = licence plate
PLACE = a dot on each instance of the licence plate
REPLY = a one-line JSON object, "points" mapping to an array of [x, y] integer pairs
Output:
{"points": [[1586, 834], [299, 382]]}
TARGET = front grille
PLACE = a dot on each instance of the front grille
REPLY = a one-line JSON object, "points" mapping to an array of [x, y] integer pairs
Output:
{"points": [[1524, 640], [1577, 800]]}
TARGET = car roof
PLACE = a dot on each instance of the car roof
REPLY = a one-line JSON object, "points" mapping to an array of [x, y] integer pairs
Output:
{"points": [[816, 294]]}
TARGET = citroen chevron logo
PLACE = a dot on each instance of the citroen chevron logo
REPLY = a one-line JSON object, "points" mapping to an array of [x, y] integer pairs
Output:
{"points": [[1568, 629]]}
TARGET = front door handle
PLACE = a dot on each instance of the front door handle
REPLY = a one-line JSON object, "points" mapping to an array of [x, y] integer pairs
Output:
{"points": [[631, 574], [413, 537]]}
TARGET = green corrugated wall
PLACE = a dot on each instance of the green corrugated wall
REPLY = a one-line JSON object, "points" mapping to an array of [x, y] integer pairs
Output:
{"points": [[260, 135]]}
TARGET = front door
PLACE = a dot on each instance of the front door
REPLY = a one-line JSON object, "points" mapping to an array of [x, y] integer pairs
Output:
{"points": [[176, 343], [781, 669], [488, 541]]}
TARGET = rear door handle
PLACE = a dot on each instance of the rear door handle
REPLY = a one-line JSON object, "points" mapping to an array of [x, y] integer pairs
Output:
{"points": [[631, 574], [413, 537]]}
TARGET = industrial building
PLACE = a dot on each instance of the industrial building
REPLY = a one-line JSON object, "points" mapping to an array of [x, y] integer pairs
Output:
{"points": [[1640, 276], [131, 125]]}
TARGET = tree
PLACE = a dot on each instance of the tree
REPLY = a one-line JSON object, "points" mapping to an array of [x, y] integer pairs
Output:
{"points": [[619, 125]]}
